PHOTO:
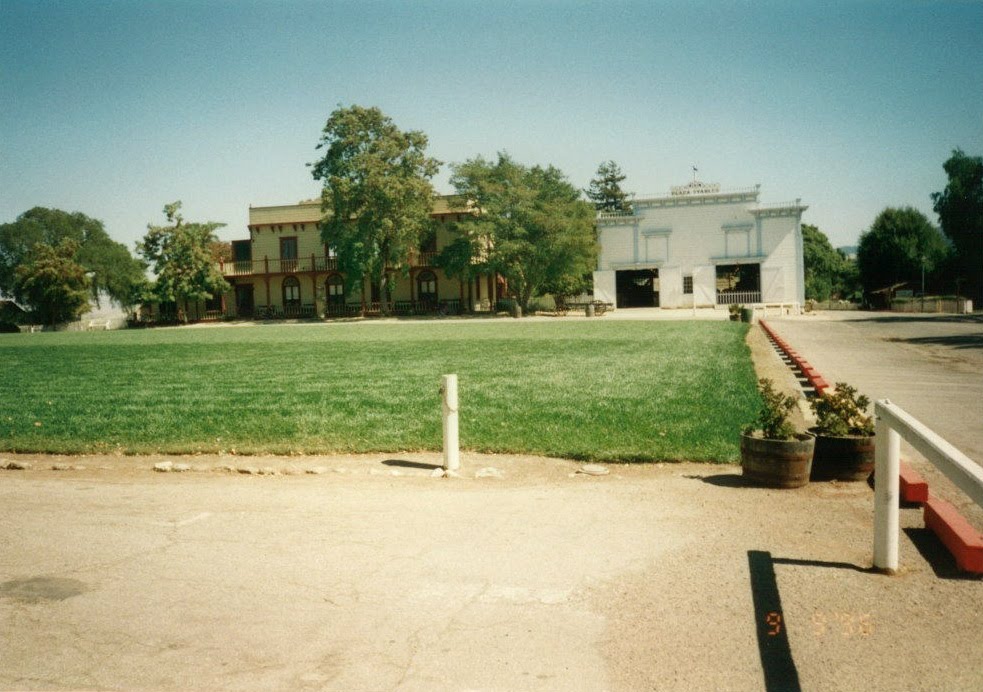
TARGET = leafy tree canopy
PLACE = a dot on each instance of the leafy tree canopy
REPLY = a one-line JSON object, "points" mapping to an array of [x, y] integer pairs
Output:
{"points": [[181, 255], [828, 273], [896, 248], [605, 189], [114, 270], [376, 193], [960, 210], [822, 263], [51, 283], [530, 226]]}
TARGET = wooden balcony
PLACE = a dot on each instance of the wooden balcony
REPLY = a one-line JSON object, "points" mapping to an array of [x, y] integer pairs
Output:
{"points": [[313, 263], [278, 266]]}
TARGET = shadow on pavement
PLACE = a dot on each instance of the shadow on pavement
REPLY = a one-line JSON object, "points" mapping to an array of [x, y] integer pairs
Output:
{"points": [[773, 645], [822, 563], [955, 341], [411, 464], [975, 318], [937, 555], [722, 480], [776, 654]]}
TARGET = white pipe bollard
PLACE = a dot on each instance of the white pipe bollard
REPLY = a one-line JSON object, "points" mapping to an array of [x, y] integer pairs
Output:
{"points": [[448, 388], [887, 469]]}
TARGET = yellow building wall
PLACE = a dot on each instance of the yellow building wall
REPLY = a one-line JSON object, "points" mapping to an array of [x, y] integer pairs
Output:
{"points": [[268, 225]]}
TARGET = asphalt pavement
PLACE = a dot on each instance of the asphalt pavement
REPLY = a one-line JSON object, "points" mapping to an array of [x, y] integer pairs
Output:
{"points": [[930, 365]]}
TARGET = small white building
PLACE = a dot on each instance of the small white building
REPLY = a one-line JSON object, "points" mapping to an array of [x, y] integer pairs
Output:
{"points": [[701, 246]]}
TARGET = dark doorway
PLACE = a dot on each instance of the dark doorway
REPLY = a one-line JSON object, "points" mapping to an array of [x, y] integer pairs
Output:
{"points": [[244, 300], [738, 283], [637, 288]]}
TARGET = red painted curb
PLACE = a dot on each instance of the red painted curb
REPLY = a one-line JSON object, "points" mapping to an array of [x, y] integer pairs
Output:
{"points": [[914, 488], [963, 541], [818, 383]]}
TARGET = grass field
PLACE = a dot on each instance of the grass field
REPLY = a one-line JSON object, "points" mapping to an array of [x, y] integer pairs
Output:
{"points": [[603, 390]]}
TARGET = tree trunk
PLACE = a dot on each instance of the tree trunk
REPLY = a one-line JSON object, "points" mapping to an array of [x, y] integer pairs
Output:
{"points": [[525, 297], [384, 295]]}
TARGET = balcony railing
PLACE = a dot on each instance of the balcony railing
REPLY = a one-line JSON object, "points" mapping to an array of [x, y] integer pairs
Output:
{"points": [[450, 306], [278, 266], [312, 263], [423, 259]]}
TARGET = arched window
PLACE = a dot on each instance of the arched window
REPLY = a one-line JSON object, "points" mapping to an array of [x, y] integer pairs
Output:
{"points": [[426, 287], [335, 289], [291, 292]]}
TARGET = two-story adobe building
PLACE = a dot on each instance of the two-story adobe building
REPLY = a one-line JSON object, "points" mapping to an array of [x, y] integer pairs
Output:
{"points": [[284, 269], [701, 246]]}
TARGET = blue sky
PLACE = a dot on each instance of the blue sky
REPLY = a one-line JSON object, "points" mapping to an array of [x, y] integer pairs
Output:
{"points": [[114, 108]]}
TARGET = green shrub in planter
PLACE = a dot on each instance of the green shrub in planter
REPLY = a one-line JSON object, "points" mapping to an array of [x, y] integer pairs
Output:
{"points": [[772, 420], [772, 452], [844, 436], [842, 412]]}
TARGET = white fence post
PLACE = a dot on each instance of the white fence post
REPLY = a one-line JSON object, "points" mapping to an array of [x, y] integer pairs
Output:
{"points": [[448, 388], [887, 468], [894, 423]]}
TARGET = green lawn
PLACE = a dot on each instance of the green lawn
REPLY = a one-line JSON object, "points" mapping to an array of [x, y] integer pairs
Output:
{"points": [[605, 390]]}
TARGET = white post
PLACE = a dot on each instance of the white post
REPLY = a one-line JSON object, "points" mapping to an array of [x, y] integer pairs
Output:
{"points": [[448, 389], [887, 467]]}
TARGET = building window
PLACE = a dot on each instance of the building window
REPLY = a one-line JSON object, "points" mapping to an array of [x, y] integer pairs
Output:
{"points": [[330, 251], [688, 285], [426, 287], [214, 304], [429, 241], [335, 286], [291, 292], [288, 254]]}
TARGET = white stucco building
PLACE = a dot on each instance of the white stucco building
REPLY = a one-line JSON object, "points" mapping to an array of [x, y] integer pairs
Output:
{"points": [[703, 246]]}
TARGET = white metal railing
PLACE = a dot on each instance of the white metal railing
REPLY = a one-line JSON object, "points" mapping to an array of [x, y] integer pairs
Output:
{"points": [[894, 423], [780, 205], [628, 213], [738, 297]]}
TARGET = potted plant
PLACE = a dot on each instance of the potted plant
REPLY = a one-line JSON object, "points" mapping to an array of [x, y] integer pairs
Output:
{"points": [[844, 436], [772, 452], [735, 311]]}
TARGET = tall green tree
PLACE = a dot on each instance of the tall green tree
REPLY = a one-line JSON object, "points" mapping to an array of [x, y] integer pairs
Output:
{"points": [[605, 189], [900, 244], [51, 283], [114, 271], [960, 210], [181, 255], [527, 224], [823, 264], [376, 195]]}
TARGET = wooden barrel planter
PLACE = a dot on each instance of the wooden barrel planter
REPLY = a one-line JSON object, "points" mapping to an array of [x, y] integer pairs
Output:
{"points": [[777, 463], [848, 458]]}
